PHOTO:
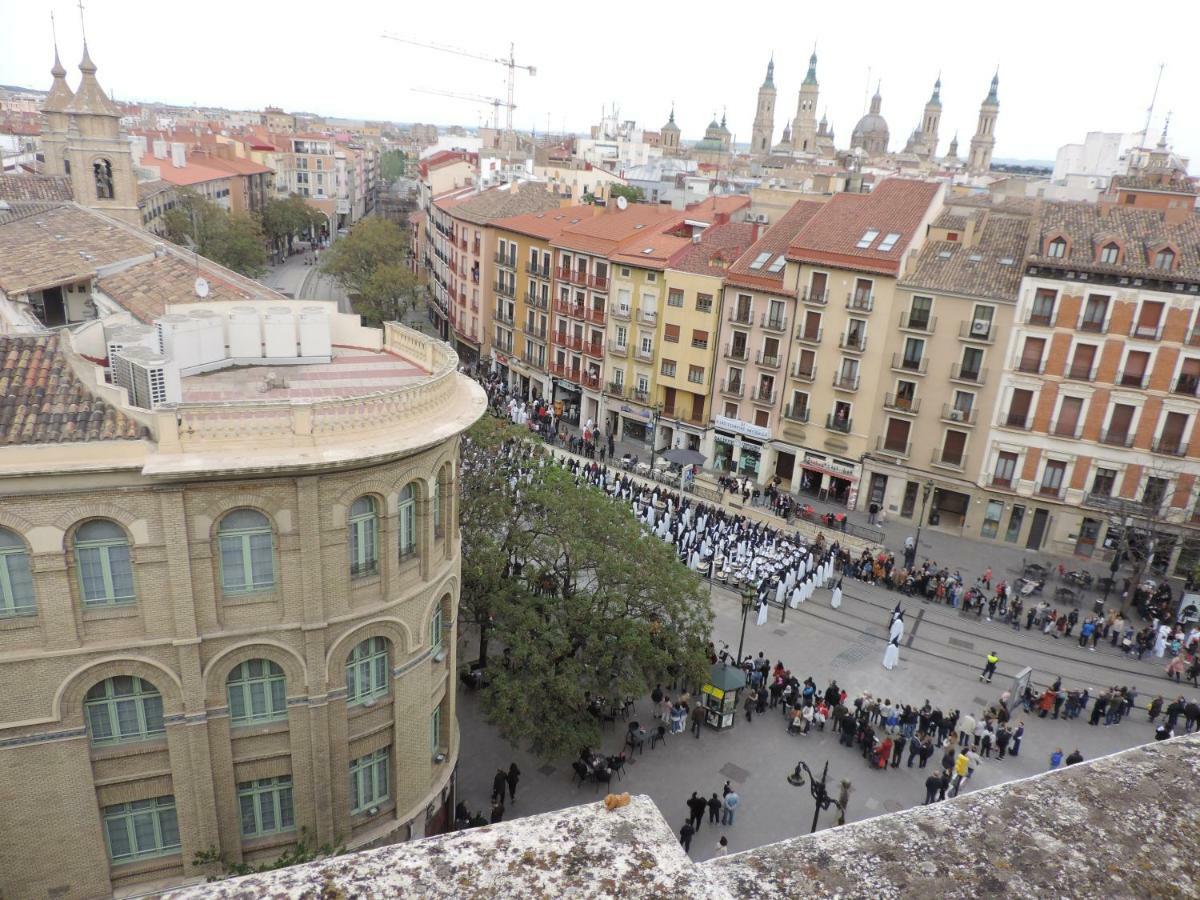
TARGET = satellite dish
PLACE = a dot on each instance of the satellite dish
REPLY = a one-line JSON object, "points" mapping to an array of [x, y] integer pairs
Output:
{"points": [[622, 203], [201, 287]]}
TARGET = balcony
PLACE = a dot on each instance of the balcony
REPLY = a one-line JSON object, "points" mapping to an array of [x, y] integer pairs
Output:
{"points": [[809, 335], [1091, 326], [537, 271], [732, 388], [840, 425], [763, 395], [504, 317], [958, 416], [860, 301], [504, 290], [844, 382], [921, 323], [649, 316], [1146, 332], [741, 316], [507, 262], [815, 298], [773, 323], [644, 353], [1031, 366], [590, 380], [616, 388], [853, 343], [1132, 379], [907, 405], [620, 312], [639, 396], [971, 376], [979, 330], [562, 273], [1015, 419], [1004, 484], [618, 349], [537, 302], [565, 372], [579, 276], [575, 311], [903, 363], [567, 341], [796, 414], [531, 360], [1065, 429], [1042, 320], [594, 349], [940, 458], [1116, 438], [803, 372], [595, 315], [883, 445], [1053, 492], [1080, 373], [598, 282], [1192, 338], [536, 332], [741, 354], [1188, 385], [767, 362], [1169, 446]]}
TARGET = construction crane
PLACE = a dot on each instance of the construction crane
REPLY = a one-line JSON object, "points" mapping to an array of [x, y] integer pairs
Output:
{"points": [[494, 102], [508, 62]]}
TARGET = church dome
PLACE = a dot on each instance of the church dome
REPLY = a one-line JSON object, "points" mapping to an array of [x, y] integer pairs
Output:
{"points": [[871, 132]]}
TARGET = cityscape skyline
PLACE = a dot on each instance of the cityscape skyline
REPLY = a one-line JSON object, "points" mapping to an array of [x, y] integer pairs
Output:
{"points": [[850, 66]]}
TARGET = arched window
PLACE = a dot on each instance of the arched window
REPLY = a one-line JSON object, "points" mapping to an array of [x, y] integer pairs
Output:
{"points": [[408, 521], [437, 507], [436, 625], [105, 572], [16, 580], [367, 671], [142, 829], [1164, 259], [123, 709], [1057, 248], [257, 692], [247, 561], [364, 538], [1109, 254], [102, 170]]}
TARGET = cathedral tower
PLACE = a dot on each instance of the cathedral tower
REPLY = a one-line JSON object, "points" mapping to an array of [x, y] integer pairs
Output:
{"points": [[932, 118], [764, 117], [55, 120], [804, 127], [980, 159]]}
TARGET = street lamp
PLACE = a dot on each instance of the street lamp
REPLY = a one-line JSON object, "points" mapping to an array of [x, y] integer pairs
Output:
{"points": [[821, 798], [658, 408], [926, 490], [748, 598]]}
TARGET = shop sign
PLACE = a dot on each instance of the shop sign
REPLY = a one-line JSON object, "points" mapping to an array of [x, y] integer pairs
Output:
{"points": [[502, 359], [722, 438], [740, 427], [715, 692], [629, 410], [841, 470]]}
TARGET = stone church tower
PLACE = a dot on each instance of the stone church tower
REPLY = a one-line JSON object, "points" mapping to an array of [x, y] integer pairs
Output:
{"points": [[932, 119], [764, 118], [83, 140], [804, 127], [980, 159]]}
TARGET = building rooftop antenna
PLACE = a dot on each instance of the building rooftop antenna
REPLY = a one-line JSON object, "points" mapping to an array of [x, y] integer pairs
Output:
{"points": [[1153, 100]]}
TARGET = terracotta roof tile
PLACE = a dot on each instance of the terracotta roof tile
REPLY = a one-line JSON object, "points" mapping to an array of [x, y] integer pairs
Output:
{"points": [[502, 202], [990, 266], [895, 207], [606, 232], [718, 249], [774, 243], [43, 402], [36, 187], [147, 288], [546, 225]]}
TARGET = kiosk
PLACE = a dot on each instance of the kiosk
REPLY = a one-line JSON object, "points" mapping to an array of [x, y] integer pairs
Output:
{"points": [[720, 695]]}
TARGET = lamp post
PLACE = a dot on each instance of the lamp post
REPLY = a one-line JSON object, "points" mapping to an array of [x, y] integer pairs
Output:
{"points": [[821, 798], [926, 490], [658, 407], [748, 598]]}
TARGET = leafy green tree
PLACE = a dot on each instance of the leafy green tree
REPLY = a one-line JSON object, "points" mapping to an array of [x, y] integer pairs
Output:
{"points": [[393, 164], [285, 219], [628, 191], [302, 852], [369, 263], [582, 599], [233, 240]]}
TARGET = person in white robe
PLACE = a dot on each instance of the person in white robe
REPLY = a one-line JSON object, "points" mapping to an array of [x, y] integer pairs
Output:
{"points": [[1160, 641], [797, 597], [897, 630], [780, 591], [891, 655], [762, 612], [836, 601]]}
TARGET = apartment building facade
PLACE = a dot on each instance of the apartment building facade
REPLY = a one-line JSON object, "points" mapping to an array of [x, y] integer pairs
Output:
{"points": [[843, 266], [749, 410], [942, 372], [1093, 447]]}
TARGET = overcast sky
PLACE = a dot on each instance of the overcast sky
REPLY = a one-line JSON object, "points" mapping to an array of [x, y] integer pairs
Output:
{"points": [[1065, 68]]}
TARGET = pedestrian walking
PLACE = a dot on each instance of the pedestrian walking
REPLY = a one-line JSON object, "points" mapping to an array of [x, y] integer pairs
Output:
{"points": [[1017, 734], [722, 846], [697, 719], [932, 785], [1075, 757], [989, 668], [1056, 758], [730, 806], [497, 811], [685, 836], [513, 776], [714, 809], [499, 784], [696, 807]]}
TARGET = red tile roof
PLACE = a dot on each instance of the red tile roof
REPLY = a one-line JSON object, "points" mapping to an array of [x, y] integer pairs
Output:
{"points": [[35, 187], [774, 243], [831, 238], [546, 225], [145, 289], [605, 233], [718, 249]]}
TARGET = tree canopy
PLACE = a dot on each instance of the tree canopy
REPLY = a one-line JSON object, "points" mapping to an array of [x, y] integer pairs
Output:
{"points": [[369, 263], [579, 595], [234, 240], [285, 219], [393, 164], [628, 191]]}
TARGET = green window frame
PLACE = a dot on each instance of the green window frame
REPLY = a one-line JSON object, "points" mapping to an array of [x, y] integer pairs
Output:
{"points": [[104, 563], [247, 552], [266, 806], [408, 521], [364, 538], [369, 780], [435, 630], [141, 830], [435, 731], [122, 710], [257, 692], [367, 671], [16, 578]]}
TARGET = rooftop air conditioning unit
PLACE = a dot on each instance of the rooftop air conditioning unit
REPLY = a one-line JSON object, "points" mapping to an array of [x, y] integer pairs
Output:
{"points": [[150, 379], [980, 327]]}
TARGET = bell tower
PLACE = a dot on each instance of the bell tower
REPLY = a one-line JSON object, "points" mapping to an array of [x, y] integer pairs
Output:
{"points": [[804, 127], [932, 119], [55, 120], [764, 116], [979, 160]]}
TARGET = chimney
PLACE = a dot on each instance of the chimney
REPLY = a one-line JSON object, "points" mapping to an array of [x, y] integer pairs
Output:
{"points": [[160, 149], [179, 155]]}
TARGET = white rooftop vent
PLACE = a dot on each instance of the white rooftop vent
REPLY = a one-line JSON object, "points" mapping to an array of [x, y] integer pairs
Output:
{"points": [[279, 333], [179, 155], [244, 333], [150, 379]]}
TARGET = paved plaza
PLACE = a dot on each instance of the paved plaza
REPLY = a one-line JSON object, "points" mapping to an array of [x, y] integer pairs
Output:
{"points": [[940, 659]]}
